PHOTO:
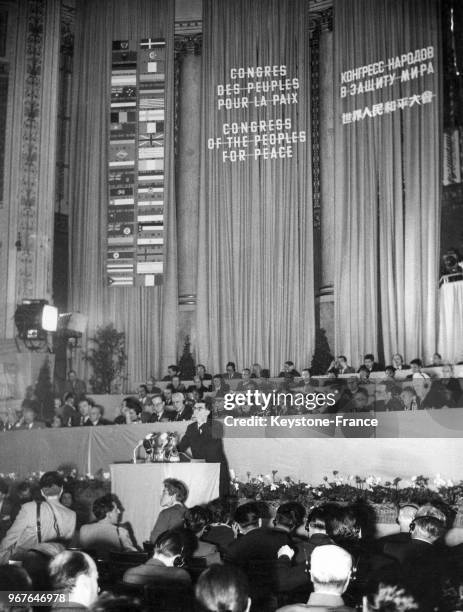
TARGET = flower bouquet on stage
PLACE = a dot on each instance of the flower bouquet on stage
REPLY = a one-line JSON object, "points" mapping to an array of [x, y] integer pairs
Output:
{"points": [[160, 447]]}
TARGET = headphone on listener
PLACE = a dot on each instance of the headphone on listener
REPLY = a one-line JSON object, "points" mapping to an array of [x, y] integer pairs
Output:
{"points": [[179, 560]]}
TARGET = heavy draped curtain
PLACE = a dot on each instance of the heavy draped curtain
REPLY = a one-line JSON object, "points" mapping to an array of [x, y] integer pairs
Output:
{"points": [[255, 298], [147, 315], [387, 187]]}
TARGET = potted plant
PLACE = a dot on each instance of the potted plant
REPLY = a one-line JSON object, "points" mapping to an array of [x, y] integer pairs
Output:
{"points": [[107, 358]]}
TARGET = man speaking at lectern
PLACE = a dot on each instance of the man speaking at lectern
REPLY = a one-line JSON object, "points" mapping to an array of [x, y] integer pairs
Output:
{"points": [[199, 438]]}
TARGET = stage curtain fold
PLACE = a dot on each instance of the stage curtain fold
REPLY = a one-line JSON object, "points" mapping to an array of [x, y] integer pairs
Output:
{"points": [[147, 315], [387, 186], [255, 262]]}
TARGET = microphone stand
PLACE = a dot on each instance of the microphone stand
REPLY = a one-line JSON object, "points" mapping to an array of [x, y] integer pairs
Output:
{"points": [[134, 454]]}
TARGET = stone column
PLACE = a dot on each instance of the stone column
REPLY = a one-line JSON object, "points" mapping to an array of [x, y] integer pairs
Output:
{"points": [[30, 158], [187, 179]]}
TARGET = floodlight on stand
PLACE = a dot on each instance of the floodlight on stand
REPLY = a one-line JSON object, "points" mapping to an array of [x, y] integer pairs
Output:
{"points": [[34, 319]]}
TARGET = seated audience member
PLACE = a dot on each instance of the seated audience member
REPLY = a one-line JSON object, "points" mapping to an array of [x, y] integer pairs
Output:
{"points": [[84, 407], [371, 365], [165, 567], [176, 386], [106, 534], [56, 521], [223, 588], [220, 531], [131, 412], [143, 397], [409, 399], [398, 362], [364, 376], [173, 500], [316, 529], [36, 560], [121, 417], [387, 397], [74, 573], [67, 499], [359, 402], [30, 420], [219, 387], [75, 386], [96, 417], [107, 602], [340, 366], [347, 393], [180, 411], [437, 360], [172, 370], [70, 415], [9, 509], [416, 366], [330, 571], [256, 371], [56, 421], [159, 414], [198, 386], [343, 527], [387, 544], [151, 387], [201, 372], [390, 372], [289, 371], [230, 371], [445, 392], [30, 400], [197, 520], [167, 397], [290, 517], [25, 493], [425, 567], [245, 384], [255, 542]]}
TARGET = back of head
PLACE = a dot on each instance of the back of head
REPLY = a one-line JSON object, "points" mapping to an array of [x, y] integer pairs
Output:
{"points": [[330, 568], [51, 484], [170, 544], [290, 515], [391, 599], [103, 505], [177, 488], [223, 588], [66, 568], [318, 517], [248, 515], [342, 524], [220, 510], [13, 578], [197, 518], [427, 528]]}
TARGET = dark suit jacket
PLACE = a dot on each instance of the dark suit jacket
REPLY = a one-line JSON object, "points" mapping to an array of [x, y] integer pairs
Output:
{"points": [[101, 421], [185, 415], [261, 544], [169, 518], [155, 572]]}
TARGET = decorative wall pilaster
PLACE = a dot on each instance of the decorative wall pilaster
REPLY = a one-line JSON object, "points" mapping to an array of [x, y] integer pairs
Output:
{"points": [[30, 157]]}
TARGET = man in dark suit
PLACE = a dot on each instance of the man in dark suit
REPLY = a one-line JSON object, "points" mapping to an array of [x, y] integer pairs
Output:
{"points": [[231, 372], [371, 365], [8, 509], [173, 498], [180, 412], [289, 371], [75, 386], [206, 444], [160, 413], [387, 397], [96, 417], [30, 420]]}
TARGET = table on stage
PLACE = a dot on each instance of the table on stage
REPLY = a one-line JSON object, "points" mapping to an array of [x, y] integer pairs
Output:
{"points": [[139, 487]]}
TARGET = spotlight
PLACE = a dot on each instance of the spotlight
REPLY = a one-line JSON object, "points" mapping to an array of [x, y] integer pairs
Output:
{"points": [[34, 319]]}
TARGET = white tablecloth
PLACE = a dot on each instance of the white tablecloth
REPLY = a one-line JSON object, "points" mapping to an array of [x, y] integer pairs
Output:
{"points": [[139, 488]]}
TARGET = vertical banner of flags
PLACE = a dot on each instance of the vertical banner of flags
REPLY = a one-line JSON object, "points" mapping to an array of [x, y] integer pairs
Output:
{"points": [[135, 235]]}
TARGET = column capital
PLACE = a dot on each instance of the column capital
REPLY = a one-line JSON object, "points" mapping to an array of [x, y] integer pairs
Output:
{"points": [[188, 44]]}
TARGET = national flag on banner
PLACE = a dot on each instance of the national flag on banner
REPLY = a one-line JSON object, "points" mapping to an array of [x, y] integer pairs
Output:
{"points": [[121, 177], [150, 152], [119, 281], [155, 67], [153, 89], [121, 201], [147, 103], [147, 252], [152, 43], [123, 116], [120, 229], [121, 151], [151, 115], [158, 219], [126, 59], [151, 177], [123, 94], [147, 194], [122, 131], [151, 211], [121, 240], [120, 45], [120, 215], [149, 267], [151, 240], [151, 128], [151, 140], [150, 189], [146, 56], [121, 191], [124, 253], [150, 164], [124, 78]]}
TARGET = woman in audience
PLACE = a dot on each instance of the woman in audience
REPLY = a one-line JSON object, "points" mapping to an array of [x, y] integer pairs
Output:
{"points": [[197, 520], [223, 588], [56, 421], [398, 362], [106, 534], [390, 372], [219, 531], [198, 387], [409, 399], [219, 387], [256, 370]]}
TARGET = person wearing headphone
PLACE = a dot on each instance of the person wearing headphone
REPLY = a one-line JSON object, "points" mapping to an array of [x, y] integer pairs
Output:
{"points": [[165, 566]]}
